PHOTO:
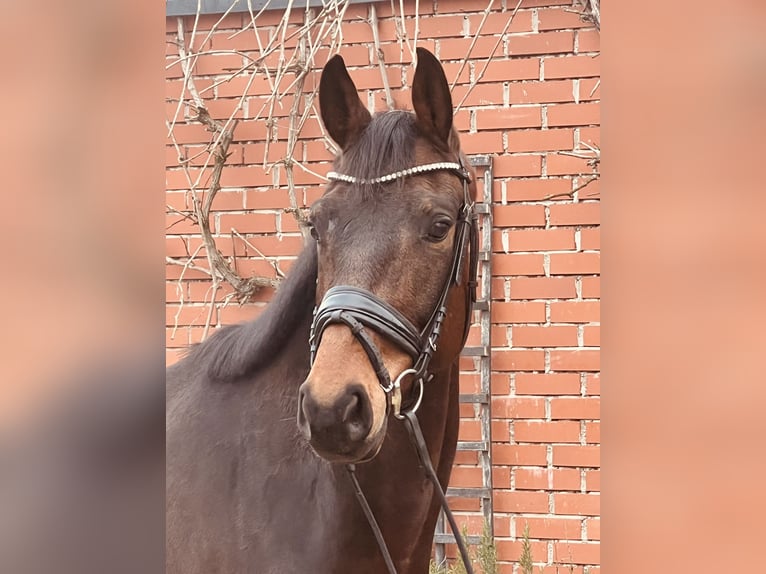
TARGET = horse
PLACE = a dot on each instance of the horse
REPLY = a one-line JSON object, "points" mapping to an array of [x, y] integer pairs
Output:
{"points": [[265, 419]]}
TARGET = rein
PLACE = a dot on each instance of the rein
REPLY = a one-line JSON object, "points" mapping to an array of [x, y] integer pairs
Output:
{"points": [[359, 309]]}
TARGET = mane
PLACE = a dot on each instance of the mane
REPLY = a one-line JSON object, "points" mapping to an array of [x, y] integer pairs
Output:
{"points": [[237, 351], [386, 145]]}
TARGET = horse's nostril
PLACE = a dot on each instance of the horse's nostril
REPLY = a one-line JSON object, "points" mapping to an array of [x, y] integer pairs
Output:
{"points": [[357, 415], [303, 423]]}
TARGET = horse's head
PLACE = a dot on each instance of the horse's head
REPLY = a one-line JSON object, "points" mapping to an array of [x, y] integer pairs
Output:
{"points": [[390, 255]]}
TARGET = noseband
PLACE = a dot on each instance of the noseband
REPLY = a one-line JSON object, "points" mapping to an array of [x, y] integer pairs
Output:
{"points": [[361, 310]]}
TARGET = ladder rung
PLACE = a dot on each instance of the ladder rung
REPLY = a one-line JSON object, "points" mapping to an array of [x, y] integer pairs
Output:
{"points": [[480, 398], [468, 445], [481, 351], [480, 160], [482, 492], [450, 539]]}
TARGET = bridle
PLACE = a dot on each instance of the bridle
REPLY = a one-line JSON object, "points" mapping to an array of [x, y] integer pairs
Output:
{"points": [[360, 310]]}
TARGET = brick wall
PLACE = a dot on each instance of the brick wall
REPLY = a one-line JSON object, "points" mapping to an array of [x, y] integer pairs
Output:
{"points": [[538, 97]]}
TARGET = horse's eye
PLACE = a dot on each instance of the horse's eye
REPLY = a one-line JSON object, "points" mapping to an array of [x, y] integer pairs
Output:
{"points": [[313, 231], [439, 229]]}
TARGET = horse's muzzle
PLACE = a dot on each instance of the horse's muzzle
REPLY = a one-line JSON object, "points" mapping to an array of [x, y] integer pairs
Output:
{"points": [[338, 427]]}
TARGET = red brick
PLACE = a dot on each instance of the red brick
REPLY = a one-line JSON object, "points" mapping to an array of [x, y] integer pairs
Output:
{"points": [[267, 199], [511, 550], [209, 21], [247, 223], [591, 136], [515, 264], [518, 408], [540, 140], [592, 384], [187, 314], [496, 22], [548, 432], [535, 92], [246, 176], [218, 64], [352, 55], [501, 430], [514, 117], [513, 69], [541, 43], [484, 142], [593, 480], [512, 360], [518, 312], [510, 501], [547, 478], [548, 336], [465, 477], [561, 164], [457, 48], [180, 225], [593, 432], [571, 67], [538, 189], [518, 455], [480, 95], [576, 503], [517, 215], [541, 239], [588, 213], [578, 360], [592, 335], [575, 263], [271, 246], [586, 114], [591, 287], [575, 311], [441, 26], [547, 384], [593, 528], [549, 528], [579, 408], [576, 455], [588, 41], [560, 19], [517, 165], [590, 239], [590, 89], [542, 288], [577, 553]]}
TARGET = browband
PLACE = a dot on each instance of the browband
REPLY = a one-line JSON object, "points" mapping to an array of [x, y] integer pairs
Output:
{"points": [[442, 165]]}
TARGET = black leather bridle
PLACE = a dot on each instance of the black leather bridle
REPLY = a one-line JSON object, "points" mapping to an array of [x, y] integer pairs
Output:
{"points": [[360, 310]]}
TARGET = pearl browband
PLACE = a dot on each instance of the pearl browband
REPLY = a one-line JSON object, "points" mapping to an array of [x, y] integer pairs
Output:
{"points": [[335, 176]]}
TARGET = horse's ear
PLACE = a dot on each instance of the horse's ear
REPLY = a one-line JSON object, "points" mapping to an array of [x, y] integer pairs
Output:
{"points": [[431, 98], [343, 113]]}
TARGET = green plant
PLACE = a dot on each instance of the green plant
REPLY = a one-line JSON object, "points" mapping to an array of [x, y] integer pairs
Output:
{"points": [[483, 555], [525, 560]]}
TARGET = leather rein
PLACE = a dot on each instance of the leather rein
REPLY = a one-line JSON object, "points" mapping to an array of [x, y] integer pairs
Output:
{"points": [[361, 310]]}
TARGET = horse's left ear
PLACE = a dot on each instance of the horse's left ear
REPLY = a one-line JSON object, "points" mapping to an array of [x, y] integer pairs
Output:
{"points": [[431, 98]]}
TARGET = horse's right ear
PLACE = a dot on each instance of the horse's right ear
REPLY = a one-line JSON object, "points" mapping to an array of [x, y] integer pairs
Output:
{"points": [[343, 113]]}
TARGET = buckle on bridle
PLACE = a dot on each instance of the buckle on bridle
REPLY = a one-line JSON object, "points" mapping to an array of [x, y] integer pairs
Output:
{"points": [[396, 394]]}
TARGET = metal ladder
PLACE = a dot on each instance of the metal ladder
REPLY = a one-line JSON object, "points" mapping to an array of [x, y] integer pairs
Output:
{"points": [[481, 355]]}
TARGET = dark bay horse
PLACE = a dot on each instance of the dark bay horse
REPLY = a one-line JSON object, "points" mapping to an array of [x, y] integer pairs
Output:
{"points": [[248, 489]]}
